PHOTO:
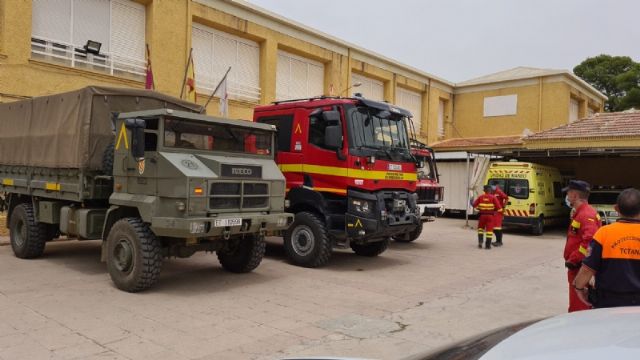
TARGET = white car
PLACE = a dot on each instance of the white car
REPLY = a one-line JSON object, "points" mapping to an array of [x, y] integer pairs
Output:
{"points": [[611, 333]]}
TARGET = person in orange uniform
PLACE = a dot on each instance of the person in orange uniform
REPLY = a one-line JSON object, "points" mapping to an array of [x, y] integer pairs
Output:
{"points": [[487, 205], [614, 258], [584, 224], [499, 216]]}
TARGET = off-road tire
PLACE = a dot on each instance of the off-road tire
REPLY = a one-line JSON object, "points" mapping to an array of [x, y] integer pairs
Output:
{"points": [[306, 241], [538, 226], [244, 255], [371, 249], [412, 236], [145, 260], [107, 159], [28, 236]]}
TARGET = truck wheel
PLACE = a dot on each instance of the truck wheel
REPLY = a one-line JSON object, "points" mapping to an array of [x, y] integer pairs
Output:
{"points": [[243, 255], [538, 226], [27, 236], [134, 255], [107, 159], [411, 236], [306, 241], [371, 249]]}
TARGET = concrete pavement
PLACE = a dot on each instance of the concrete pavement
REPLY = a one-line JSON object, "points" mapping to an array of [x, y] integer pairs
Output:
{"points": [[412, 298]]}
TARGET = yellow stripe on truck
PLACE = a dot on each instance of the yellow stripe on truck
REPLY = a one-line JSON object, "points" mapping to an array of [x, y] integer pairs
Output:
{"points": [[7, 182], [52, 186], [348, 173]]}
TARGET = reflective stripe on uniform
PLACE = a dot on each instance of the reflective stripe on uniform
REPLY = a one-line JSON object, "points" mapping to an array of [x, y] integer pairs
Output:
{"points": [[575, 224], [582, 250]]}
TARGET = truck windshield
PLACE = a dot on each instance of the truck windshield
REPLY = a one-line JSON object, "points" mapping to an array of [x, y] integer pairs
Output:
{"points": [[185, 134], [428, 171], [369, 130]]}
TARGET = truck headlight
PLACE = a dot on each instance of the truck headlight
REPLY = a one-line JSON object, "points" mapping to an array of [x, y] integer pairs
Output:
{"points": [[361, 206], [282, 221], [198, 227]]}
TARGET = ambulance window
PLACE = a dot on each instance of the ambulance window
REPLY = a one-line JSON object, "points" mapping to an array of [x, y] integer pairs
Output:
{"points": [[283, 124], [518, 188], [557, 190], [499, 182]]}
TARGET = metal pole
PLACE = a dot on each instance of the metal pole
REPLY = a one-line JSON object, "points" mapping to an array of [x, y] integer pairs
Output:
{"points": [[466, 209], [215, 90]]}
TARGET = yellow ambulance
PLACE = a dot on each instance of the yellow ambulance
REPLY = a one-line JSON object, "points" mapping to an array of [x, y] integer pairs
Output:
{"points": [[535, 194]]}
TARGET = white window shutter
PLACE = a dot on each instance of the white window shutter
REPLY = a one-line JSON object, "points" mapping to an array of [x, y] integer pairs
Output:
{"points": [[574, 110], [441, 118], [91, 22], [283, 75], [371, 88], [316, 80], [298, 77], [51, 20], [128, 29], [202, 43], [411, 101], [215, 51]]}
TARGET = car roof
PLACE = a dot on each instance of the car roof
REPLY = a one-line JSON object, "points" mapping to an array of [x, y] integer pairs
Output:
{"points": [[612, 333]]}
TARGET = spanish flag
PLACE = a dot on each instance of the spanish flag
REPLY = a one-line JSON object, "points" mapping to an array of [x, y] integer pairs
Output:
{"points": [[189, 89]]}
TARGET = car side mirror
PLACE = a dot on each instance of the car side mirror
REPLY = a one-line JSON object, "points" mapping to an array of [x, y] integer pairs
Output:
{"points": [[137, 127]]}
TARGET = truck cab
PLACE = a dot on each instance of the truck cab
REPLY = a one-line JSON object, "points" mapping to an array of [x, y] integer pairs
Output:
{"points": [[430, 191], [351, 177]]}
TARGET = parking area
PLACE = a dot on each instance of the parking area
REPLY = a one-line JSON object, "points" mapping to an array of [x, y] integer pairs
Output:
{"points": [[412, 298]]}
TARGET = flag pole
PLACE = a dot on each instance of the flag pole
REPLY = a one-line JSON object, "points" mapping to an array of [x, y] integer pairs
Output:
{"points": [[216, 89], [186, 69]]}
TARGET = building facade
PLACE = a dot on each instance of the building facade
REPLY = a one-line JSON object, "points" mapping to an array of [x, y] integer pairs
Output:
{"points": [[43, 50]]}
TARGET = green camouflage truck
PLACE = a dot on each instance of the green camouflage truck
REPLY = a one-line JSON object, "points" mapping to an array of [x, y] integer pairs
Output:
{"points": [[142, 171]]}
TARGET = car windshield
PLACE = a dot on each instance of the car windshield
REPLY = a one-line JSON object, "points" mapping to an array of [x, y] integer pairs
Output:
{"points": [[603, 198], [185, 134], [369, 129]]}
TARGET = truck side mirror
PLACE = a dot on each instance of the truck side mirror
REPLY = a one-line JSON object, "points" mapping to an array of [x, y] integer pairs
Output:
{"points": [[137, 127], [331, 116], [333, 137]]}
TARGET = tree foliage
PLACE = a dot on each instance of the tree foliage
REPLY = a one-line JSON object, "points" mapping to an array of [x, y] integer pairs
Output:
{"points": [[618, 77]]}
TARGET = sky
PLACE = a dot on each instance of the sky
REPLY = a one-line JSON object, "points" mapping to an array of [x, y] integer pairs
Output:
{"points": [[463, 39]]}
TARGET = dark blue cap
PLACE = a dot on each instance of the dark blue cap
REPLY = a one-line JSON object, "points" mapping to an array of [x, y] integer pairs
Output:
{"points": [[578, 185]]}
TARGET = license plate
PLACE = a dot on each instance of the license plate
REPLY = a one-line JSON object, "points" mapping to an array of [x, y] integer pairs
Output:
{"points": [[227, 222]]}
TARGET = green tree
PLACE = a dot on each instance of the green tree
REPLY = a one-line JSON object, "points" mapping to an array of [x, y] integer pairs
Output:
{"points": [[617, 77]]}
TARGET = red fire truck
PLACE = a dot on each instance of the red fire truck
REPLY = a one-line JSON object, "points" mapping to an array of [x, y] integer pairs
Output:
{"points": [[351, 177], [430, 192]]}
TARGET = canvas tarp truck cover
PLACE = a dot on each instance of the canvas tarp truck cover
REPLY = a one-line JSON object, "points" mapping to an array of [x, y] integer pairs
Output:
{"points": [[72, 129]]}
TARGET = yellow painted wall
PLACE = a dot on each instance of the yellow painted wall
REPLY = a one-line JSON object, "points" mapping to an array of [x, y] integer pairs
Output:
{"points": [[540, 106]]}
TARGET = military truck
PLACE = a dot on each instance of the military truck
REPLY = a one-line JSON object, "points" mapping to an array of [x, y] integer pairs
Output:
{"points": [[142, 171]]}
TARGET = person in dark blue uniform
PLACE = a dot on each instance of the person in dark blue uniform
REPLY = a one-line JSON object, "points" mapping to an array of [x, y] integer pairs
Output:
{"points": [[613, 258]]}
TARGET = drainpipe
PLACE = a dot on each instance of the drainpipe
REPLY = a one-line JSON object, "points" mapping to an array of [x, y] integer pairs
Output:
{"points": [[466, 210], [540, 104], [428, 110]]}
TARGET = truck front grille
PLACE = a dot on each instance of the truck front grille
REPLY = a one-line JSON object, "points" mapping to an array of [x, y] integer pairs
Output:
{"points": [[240, 195], [428, 195]]}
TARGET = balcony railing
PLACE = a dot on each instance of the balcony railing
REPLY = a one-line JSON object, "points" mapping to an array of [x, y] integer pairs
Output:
{"points": [[75, 56]]}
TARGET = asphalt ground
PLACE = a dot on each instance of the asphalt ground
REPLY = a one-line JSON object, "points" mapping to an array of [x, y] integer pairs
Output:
{"points": [[412, 298]]}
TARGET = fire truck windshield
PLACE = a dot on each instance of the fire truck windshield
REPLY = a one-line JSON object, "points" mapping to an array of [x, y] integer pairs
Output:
{"points": [[179, 133], [370, 130]]}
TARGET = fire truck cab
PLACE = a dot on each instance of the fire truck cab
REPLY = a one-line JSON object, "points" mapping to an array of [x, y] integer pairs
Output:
{"points": [[350, 175], [430, 191]]}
